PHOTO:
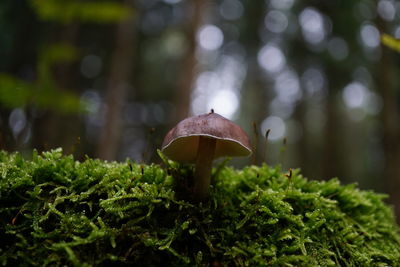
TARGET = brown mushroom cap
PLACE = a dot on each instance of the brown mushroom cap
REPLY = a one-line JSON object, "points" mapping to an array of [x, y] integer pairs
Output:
{"points": [[181, 142]]}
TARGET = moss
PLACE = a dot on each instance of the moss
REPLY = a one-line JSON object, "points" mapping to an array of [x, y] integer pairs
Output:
{"points": [[58, 211]]}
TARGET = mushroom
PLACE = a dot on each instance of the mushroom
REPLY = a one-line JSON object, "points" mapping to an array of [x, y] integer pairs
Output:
{"points": [[201, 139]]}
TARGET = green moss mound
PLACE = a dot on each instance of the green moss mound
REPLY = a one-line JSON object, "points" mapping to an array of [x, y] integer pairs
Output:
{"points": [[58, 211]]}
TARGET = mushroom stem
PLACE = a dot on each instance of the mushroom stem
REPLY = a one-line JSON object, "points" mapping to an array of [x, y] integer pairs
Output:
{"points": [[202, 174]]}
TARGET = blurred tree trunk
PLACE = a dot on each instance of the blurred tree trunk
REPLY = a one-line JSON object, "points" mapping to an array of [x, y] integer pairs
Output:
{"points": [[49, 129], [19, 58], [332, 166], [304, 145], [120, 69], [254, 101], [385, 82], [338, 75], [189, 64]]}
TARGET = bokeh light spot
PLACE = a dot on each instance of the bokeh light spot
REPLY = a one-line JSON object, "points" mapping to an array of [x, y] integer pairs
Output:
{"points": [[386, 10], [312, 25], [313, 80], [17, 121], [276, 21], [397, 32], [370, 36], [287, 87], [91, 100], [354, 95], [224, 102], [231, 9], [91, 66], [271, 58], [276, 125], [210, 37]]}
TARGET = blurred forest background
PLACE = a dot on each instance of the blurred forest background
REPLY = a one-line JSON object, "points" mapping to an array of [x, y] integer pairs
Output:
{"points": [[109, 78]]}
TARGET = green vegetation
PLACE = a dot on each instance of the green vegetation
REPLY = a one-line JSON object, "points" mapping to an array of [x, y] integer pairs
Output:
{"points": [[58, 211], [391, 42], [88, 11], [44, 93]]}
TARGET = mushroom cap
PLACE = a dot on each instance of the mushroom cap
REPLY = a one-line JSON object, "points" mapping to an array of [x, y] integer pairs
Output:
{"points": [[181, 142]]}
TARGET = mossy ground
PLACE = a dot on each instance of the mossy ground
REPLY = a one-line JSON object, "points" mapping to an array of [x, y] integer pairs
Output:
{"points": [[58, 211]]}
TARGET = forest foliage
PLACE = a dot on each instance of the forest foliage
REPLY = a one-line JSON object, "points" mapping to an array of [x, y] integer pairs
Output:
{"points": [[58, 211], [44, 93], [391, 42], [82, 11]]}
